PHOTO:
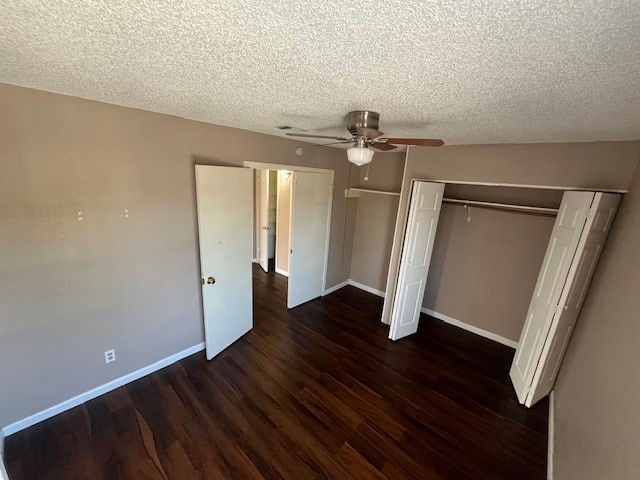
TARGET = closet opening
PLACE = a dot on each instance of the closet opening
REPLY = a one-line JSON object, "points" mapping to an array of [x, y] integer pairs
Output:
{"points": [[512, 264]]}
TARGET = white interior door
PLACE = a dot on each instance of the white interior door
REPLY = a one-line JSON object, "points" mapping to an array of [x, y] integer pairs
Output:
{"points": [[563, 317], [424, 211], [262, 204], [224, 198], [310, 201]]}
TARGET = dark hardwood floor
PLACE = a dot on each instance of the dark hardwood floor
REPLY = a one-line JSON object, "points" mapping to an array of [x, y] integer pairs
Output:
{"points": [[315, 392]]}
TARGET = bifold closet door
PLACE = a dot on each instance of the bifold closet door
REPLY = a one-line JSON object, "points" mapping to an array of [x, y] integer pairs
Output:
{"points": [[424, 211], [578, 236]]}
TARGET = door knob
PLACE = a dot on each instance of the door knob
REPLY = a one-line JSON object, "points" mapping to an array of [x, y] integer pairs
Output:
{"points": [[211, 281]]}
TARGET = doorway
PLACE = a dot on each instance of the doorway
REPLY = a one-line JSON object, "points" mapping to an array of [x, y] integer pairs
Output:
{"points": [[292, 226], [266, 193]]}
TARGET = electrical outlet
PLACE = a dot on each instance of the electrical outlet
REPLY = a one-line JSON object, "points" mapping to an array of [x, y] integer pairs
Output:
{"points": [[109, 356]]}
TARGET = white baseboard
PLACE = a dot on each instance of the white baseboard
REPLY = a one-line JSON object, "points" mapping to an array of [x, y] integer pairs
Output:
{"points": [[329, 290], [96, 392], [452, 321], [552, 431], [353, 283], [282, 272], [366, 288], [470, 328]]}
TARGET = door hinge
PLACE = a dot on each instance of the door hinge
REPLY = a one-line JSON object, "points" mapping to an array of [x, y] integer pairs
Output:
{"points": [[589, 213]]}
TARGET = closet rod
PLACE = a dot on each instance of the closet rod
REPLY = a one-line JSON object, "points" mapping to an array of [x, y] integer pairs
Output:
{"points": [[505, 207]]}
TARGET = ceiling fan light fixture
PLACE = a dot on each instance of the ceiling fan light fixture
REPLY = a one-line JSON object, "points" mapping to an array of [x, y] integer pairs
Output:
{"points": [[359, 155]]}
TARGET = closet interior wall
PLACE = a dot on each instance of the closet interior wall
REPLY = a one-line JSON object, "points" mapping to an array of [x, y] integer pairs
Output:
{"points": [[486, 261]]}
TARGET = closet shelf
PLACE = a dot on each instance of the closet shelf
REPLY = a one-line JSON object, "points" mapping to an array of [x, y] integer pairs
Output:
{"points": [[355, 192]]}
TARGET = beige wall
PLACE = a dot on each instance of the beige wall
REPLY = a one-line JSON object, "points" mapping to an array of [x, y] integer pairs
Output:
{"points": [[283, 221], [483, 272], [579, 165], [373, 235], [375, 218], [597, 418], [70, 289]]}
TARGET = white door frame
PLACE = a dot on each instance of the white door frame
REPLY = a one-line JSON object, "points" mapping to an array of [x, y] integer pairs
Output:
{"points": [[298, 168]]}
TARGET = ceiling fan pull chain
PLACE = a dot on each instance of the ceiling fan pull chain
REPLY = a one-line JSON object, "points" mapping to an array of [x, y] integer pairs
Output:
{"points": [[366, 175]]}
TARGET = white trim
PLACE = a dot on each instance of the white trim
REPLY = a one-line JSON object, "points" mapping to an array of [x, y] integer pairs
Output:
{"points": [[551, 435], [452, 321], [366, 288], [396, 247], [523, 185], [470, 328], [278, 166], [335, 288], [3, 471], [102, 389], [282, 272]]}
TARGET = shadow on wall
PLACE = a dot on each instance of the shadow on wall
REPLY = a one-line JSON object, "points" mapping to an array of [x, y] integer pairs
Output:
{"points": [[438, 258]]}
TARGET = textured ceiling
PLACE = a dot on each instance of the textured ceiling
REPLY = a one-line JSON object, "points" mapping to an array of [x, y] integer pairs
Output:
{"points": [[465, 71]]}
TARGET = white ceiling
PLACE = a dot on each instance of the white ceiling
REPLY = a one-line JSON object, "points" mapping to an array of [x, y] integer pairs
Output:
{"points": [[465, 71]]}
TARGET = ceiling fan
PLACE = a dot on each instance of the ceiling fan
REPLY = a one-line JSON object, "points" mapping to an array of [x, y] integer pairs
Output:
{"points": [[363, 126]]}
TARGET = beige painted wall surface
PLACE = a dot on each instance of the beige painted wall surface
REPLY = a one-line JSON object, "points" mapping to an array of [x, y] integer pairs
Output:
{"points": [[579, 165], [372, 239], [597, 420], [384, 172], [283, 221], [375, 218], [71, 289], [483, 272]]}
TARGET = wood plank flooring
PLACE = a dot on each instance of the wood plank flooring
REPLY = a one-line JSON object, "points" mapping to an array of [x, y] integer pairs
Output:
{"points": [[315, 392]]}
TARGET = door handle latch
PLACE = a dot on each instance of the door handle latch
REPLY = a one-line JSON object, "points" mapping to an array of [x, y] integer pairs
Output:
{"points": [[211, 281]]}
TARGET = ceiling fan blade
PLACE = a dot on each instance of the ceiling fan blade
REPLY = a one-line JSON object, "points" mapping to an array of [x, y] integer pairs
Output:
{"points": [[370, 133], [422, 142], [383, 146], [306, 135], [336, 143]]}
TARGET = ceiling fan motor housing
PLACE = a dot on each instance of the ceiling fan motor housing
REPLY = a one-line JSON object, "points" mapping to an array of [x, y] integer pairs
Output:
{"points": [[362, 119]]}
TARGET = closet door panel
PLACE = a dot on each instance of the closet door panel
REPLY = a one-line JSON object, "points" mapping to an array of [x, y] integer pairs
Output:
{"points": [[424, 210], [584, 263], [557, 262]]}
